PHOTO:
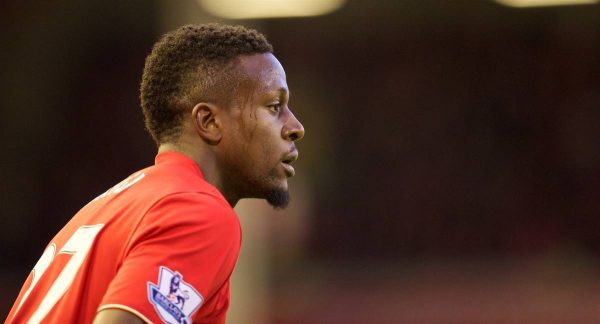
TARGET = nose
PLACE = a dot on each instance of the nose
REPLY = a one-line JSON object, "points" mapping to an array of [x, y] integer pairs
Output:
{"points": [[293, 129]]}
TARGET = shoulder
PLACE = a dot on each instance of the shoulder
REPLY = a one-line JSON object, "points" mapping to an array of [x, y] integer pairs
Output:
{"points": [[193, 203], [179, 182], [189, 222], [193, 211]]}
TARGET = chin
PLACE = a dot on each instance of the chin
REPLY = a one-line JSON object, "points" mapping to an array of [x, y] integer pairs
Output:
{"points": [[274, 189], [278, 198]]}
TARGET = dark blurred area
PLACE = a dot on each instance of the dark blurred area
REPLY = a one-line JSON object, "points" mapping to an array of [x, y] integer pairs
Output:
{"points": [[452, 153], [71, 123], [459, 128]]}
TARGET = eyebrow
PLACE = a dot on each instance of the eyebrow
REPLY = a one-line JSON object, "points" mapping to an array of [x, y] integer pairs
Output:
{"points": [[279, 92], [284, 90]]}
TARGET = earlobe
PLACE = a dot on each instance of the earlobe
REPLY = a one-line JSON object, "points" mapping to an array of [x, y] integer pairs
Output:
{"points": [[207, 123]]}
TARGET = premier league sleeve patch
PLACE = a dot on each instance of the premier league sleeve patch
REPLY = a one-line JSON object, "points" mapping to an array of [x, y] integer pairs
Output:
{"points": [[174, 299]]}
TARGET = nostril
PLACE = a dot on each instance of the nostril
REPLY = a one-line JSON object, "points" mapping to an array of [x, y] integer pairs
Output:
{"points": [[293, 133]]}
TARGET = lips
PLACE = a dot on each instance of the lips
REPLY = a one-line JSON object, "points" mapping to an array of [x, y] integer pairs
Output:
{"points": [[287, 163], [289, 169]]}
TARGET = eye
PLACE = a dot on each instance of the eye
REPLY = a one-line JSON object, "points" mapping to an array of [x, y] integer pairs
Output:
{"points": [[275, 108]]}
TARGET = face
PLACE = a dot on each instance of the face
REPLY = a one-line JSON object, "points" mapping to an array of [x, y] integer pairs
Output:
{"points": [[258, 143]]}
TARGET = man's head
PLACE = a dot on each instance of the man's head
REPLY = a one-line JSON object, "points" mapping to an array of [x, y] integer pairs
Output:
{"points": [[219, 92], [191, 64]]}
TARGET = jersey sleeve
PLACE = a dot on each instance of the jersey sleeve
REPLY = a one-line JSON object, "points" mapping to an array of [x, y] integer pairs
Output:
{"points": [[178, 263]]}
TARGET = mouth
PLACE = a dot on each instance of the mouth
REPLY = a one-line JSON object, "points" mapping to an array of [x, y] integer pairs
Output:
{"points": [[287, 163]]}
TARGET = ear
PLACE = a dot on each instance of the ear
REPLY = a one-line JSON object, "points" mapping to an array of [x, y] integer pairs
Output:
{"points": [[207, 123]]}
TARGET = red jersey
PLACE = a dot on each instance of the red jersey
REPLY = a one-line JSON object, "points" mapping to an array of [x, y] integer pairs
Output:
{"points": [[162, 244]]}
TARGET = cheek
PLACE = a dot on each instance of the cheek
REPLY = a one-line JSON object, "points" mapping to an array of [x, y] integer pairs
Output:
{"points": [[269, 144], [264, 151], [263, 147]]}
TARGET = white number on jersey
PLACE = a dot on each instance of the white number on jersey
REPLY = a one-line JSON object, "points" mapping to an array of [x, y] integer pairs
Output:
{"points": [[78, 245]]}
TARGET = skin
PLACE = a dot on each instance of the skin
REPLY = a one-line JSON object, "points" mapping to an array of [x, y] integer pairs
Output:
{"points": [[244, 149]]}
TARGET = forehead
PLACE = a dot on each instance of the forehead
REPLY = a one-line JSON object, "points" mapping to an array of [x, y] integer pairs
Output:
{"points": [[263, 71]]}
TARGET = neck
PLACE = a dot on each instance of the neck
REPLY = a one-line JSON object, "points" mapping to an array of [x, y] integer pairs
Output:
{"points": [[206, 161]]}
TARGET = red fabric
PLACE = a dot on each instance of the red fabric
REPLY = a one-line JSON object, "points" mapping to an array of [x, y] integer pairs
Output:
{"points": [[164, 216]]}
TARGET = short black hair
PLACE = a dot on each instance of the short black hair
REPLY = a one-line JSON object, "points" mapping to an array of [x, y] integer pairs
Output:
{"points": [[188, 64]]}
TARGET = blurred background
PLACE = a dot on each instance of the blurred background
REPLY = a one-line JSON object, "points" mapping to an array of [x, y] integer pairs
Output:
{"points": [[450, 171]]}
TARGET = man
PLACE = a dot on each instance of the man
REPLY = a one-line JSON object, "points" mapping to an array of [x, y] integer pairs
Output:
{"points": [[161, 245]]}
